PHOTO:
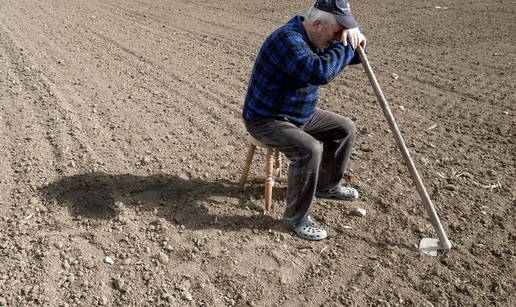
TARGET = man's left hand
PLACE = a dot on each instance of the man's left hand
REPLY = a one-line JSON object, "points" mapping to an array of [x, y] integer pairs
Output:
{"points": [[354, 37]]}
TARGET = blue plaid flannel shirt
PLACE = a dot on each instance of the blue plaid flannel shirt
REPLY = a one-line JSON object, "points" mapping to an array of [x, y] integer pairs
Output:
{"points": [[288, 71]]}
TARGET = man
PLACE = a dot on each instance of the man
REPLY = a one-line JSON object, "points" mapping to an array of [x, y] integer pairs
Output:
{"points": [[280, 107]]}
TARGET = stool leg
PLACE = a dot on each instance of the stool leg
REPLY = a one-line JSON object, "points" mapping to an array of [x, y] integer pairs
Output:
{"points": [[269, 182], [247, 166], [278, 165]]}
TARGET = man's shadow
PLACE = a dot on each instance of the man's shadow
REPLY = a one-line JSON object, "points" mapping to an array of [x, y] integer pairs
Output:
{"points": [[195, 203]]}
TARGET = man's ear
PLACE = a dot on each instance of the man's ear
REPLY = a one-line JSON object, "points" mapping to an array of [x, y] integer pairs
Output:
{"points": [[317, 24]]}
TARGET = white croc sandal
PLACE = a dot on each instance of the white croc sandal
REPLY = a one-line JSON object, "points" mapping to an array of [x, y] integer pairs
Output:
{"points": [[339, 192], [309, 230]]}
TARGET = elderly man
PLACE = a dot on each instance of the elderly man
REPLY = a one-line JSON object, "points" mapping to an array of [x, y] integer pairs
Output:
{"points": [[280, 107]]}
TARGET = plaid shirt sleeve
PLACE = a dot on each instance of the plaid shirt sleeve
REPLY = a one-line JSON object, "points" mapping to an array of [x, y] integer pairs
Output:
{"points": [[307, 66]]}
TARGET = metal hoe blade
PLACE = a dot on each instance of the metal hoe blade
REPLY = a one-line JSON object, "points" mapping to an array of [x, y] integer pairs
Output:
{"points": [[427, 245]]}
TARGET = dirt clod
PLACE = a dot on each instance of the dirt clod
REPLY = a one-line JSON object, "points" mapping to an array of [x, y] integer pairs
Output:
{"points": [[163, 258], [359, 212], [109, 260]]}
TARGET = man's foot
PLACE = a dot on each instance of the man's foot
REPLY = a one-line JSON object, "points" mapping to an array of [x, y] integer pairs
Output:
{"points": [[308, 229], [339, 192]]}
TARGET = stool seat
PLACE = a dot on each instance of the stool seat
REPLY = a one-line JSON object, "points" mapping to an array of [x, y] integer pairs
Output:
{"points": [[273, 168], [255, 142]]}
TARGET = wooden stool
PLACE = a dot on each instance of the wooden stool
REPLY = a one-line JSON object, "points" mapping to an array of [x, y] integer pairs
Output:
{"points": [[273, 169]]}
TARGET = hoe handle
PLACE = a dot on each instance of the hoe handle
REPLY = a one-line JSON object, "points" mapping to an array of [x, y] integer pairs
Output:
{"points": [[444, 243]]}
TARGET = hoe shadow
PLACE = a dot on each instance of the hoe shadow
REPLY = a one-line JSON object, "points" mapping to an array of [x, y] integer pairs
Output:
{"points": [[192, 203]]}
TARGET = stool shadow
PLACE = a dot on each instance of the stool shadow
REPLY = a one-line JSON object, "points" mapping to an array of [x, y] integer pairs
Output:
{"points": [[181, 201]]}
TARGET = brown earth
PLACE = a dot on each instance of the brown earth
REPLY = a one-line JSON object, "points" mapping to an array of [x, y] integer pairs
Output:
{"points": [[121, 137]]}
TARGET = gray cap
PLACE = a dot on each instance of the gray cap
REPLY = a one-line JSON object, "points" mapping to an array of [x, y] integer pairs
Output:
{"points": [[340, 9]]}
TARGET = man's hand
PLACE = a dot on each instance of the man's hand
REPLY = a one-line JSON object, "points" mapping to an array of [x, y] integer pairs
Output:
{"points": [[354, 37]]}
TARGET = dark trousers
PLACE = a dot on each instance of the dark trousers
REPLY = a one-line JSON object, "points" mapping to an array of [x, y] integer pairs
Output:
{"points": [[311, 167]]}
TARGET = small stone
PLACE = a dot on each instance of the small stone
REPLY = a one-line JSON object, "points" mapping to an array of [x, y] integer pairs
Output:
{"points": [[34, 201], [187, 295], [103, 300], [42, 208], [59, 245], [109, 260], [127, 261], [89, 264], [27, 289], [71, 278], [436, 271], [183, 176], [365, 148], [145, 160], [395, 76], [497, 252], [118, 205], [284, 279], [359, 212], [121, 285], [169, 298], [163, 258], [169, 248], [3, 302], [455, 226], [184, 286], [450, 187]]}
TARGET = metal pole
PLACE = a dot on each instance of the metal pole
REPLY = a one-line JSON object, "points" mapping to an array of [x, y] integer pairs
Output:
{"points": [[444, 243]]}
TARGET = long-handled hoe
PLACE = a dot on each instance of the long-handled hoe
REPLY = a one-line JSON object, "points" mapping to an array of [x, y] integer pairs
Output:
{"points": [[426, 245]]}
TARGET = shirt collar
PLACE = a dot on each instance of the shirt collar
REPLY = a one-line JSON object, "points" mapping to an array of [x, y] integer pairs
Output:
{"points": [[299, 21]]}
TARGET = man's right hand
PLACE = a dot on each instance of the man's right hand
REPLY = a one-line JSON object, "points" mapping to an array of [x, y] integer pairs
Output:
{"points": [[354, 37]]}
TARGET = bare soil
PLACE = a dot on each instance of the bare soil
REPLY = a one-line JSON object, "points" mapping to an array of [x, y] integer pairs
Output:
{"points": [[122, 144]]}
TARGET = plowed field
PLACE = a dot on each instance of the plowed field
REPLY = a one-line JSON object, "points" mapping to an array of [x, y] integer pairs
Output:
{"points": [[122, 145]]}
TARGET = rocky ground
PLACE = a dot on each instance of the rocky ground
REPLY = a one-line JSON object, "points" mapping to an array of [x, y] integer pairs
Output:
{"points": [[123, 144]]}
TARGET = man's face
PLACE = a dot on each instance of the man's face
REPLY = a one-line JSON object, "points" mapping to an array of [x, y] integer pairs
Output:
{"points": [[326, 33]]}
